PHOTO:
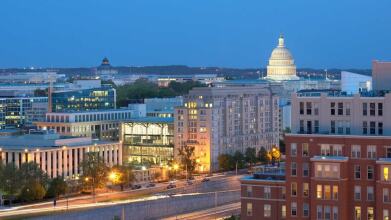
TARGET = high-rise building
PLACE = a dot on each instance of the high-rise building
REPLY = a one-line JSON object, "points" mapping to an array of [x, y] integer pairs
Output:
{"points": [[381, 75], [281, 64], [75, 100], [219, 120]]}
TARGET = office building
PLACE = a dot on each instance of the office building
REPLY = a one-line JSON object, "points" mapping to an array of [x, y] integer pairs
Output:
{"points": [[354, 83], [22, 112], [219, 120], [148, 140], [381, 75], [162, 107], [56, 155], [74, 100], [102, 124]]}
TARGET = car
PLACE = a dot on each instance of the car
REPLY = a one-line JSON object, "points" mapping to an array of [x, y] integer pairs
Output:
{"points": [[205, 180], [171, 186], [136, 186], [151, 185]]}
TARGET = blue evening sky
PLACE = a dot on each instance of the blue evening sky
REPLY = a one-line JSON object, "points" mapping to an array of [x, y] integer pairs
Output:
{"points": [[227, 33]]}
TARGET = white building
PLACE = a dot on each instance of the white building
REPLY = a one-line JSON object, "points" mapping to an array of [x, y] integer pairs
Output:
{"points": [[353, 83]]}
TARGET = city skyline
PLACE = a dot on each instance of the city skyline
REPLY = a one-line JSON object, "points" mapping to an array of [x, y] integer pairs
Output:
{"points": [[224, 34]]}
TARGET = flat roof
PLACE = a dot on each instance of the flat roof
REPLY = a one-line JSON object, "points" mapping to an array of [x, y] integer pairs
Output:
{"points": [[152, 119]]}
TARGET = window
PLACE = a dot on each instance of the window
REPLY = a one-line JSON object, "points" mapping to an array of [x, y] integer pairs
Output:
{"points": [[309, 127], [327, 213], [370, 196], [319, 191], [357, 192], [370, 213], [365, 127], [340, 108], [267, 192], [380, 128], [325, 150], [335, 192], [335, 213], [380, 109], [301, 108], [356, 151], [372, 127], [283, 211], [309, 108], [357, 172], [306, 189], [319, 212], [293, 189], [293, 169], [337, 150], [293, 149], [327, 170], [293, 209], [372, 107], [357, 213], [332, 127], [306, 210], [386, 174], [305, 150], [371, 152], [347, 109], [364, 109], [249, 191], [316, 126], [267, 210], [386, 215], [388, 152], [301, 126], [332, 108], [370, 173], [327, 192], [386, 195], [249, 209], [305, 169]]}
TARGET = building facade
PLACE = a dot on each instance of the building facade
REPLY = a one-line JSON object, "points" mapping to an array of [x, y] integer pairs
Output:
{"points": [[218, 120], [84, 99], [326, 177], [102, 124], [148, 140], [56, 156], [22, 112], [381, 75], [331, 112]]}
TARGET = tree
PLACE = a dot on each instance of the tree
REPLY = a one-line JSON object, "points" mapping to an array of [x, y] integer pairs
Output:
{"points": [[10, 181], [225, 162], [251, 155], [238, 158], [56, 188], [94, 170], [262, 155], [31, 172], [187, 159], [32, 192], [122, 175]]}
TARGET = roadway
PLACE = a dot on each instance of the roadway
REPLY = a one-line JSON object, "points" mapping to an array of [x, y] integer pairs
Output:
{"points": [[216, 183]]}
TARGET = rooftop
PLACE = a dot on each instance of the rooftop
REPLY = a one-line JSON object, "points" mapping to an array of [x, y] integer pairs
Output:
{"points": [[152, 120]]}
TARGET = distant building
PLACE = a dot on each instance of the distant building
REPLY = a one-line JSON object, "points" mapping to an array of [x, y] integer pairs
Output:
{"points": [[56, 155], [148, 140], [102, 124], [219, 120], [22, 112], [105, 71], [381, 75], [74, 100], [354, 83], [162, 107], [207, 79], [281, 64], [30, 77]]}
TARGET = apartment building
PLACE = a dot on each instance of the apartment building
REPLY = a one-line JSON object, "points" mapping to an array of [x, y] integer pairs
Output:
{"points": [[326, 177], [218, 120], [333, 112]]}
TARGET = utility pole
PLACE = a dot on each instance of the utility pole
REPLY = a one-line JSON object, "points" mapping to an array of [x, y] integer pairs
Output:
{"points": [[236, 168]]}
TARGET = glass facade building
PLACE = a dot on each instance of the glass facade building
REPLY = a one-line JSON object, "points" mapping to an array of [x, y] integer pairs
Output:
{"points": [[148, 140], [84, 100], [20, 112]]}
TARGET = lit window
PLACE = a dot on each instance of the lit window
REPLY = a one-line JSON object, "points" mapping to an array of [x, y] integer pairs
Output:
{"points": [[267, 210], [385, 173], [370, 213], [319, 191], [357, 213], [335, 192], [386, 215], [327, 192], [249, 209], [283, 211]]}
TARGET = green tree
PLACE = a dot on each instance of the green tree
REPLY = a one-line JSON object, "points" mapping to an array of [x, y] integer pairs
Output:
{"points": [[225, 162], [262, 155], [188, 161], [56, 188], [31, 172], [10, 179], [239, 159], [94, 170], [123, 175], [32, 192], [251, 155]]}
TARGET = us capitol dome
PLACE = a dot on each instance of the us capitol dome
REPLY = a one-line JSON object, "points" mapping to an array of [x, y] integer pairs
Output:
{"points": [[281, 64]]}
